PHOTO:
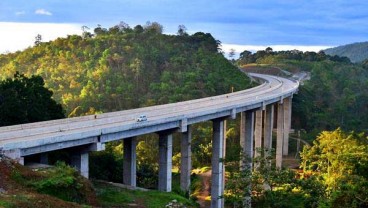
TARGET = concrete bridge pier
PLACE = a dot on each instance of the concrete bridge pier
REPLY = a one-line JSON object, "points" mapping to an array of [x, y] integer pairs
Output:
{"points": [[287, 124], [186, 160], [217, 186], [80, 161], [80, 157], [165, 161], [258, 132], [130, 162], [268, 126], [280, 134], [246, 139]]}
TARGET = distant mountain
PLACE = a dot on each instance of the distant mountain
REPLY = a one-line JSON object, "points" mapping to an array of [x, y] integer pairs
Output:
{"points": [[356, 52]]}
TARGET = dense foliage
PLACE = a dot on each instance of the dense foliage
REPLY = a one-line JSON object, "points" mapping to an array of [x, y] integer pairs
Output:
{"points": [[268, 186], [122, 67], [334, 174], [340, 159], [357, 52], [25, 100]]}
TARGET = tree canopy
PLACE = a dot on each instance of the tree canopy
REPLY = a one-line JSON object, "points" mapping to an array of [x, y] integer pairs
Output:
{"points": [[25, 100], [341, 160]]}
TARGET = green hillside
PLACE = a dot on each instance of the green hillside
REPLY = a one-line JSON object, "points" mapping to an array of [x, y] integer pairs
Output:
{"points": [[356, 52], [122, 68]]}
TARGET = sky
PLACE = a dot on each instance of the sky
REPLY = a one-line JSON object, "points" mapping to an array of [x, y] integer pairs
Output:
{"points": [[307, 25]]}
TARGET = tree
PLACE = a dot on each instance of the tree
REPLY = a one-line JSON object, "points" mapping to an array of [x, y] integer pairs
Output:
{"points": [[85, 33], [25, 100], [232, 53], [154, 27], [269, 50], [342, 160], [246, 57], [182, 30], [38, 39]]}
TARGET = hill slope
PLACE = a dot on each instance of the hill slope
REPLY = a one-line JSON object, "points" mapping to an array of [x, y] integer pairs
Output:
{"points": [[356, 52], [122, 68]]}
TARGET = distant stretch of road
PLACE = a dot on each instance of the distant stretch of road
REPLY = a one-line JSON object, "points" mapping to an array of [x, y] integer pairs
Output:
{"points": [[46, 136]]}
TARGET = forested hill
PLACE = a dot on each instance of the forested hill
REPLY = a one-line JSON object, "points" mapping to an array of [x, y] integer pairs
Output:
{"points": [[122, 68], [356, 52]]}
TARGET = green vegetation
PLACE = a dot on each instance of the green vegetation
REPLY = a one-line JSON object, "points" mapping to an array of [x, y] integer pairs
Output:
{"points": [[26, 100], [356, 52], [110, 196], [334, 175], [340, 160]]}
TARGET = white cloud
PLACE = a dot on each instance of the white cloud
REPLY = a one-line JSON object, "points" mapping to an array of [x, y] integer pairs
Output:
{"points": [[18, 36], [20, 13], [43, 12]]}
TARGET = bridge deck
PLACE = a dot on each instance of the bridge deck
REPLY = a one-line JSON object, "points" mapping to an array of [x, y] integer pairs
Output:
{"points": [[122, 124]]}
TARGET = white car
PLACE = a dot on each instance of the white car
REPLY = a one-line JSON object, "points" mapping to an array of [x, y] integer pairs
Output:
{"points": [[142, 118]]}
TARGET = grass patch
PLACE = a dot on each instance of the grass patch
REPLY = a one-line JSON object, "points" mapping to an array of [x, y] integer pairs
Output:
{"points": [[6, 204], [110, 196]]}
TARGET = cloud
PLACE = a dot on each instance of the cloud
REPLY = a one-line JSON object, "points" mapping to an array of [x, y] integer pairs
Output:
{"points": [[20, 13], [43, 12], [19, 36]]}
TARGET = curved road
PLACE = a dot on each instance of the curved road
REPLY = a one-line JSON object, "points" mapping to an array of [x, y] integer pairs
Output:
{"points": [[58, 134]]}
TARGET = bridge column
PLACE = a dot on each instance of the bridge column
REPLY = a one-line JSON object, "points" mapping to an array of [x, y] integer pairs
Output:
{"points": [[246, 143], [246, 139], [224, 158], [280, 134], [287, 122], [80, 157], [130, 162], [165, 161], [186, 160], [217, 186], [258, 133], [80, 161], [268, 126]]}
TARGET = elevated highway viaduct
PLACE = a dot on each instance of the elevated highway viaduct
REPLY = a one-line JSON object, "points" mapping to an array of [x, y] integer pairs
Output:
{"points": [[256, 107]]}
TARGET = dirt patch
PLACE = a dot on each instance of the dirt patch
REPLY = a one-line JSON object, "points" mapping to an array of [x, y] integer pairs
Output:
{"points": [[263, 70]]}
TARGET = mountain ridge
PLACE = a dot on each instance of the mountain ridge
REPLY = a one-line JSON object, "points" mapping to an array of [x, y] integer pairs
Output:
{"points": [[356, 52]]}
